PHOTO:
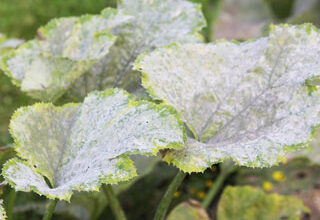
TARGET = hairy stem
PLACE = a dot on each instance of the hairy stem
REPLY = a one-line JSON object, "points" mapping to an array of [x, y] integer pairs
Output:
{"points": [[11, 200], [217, 186], [113, 202], [50, 209], [167, 197]]}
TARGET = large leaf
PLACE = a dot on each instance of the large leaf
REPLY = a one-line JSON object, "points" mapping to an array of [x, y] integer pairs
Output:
{"points": [[246, 101], [248, 203], [81, 146], [156, 23], [64, 49]]}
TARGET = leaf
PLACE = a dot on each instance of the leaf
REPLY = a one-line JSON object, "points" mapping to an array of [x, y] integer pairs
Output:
{"points": [[245, 101], [248, 203], [80, 146], [191, 210], [64, 49], [3, 215], [156, 23]]}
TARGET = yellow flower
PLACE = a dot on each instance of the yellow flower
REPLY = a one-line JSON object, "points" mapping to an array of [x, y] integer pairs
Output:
{"points": [[267, 186], [209, 183], [201, 195], [213, 168], [278, 176], [176, 194]]}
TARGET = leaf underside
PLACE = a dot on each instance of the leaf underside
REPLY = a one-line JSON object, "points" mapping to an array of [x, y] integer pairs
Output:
{"points": [[64, 49], [251, 101], [155, 23], [78, 147]]}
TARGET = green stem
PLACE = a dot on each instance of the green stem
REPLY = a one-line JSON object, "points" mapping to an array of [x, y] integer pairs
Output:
{"points": [[217, 186], [213, 10], [11, 200], [114, 202], [167, 197], [50, 209]]}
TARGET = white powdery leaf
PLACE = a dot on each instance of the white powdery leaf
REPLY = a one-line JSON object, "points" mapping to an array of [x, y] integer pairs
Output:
{"points": [[81, 146], [246, 101], [64, 49], [156, 23]]}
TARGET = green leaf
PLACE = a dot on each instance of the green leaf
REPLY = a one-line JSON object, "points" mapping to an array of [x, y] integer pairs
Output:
{"points": [[246, 202], [245, 101], [3, 215], [191, 210], [64, 49], [156, 23], [80, 146]]}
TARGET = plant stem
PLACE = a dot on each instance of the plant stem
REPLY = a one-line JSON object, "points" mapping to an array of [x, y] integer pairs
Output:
{"points": [[11, 200], [113, 202], [50, 209], [167, 197], [217, 185]]}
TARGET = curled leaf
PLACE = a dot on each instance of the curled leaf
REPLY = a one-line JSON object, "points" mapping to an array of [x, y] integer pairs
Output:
{"points": [[64, 49], [246, 101], [156, 23], [80, 146]]}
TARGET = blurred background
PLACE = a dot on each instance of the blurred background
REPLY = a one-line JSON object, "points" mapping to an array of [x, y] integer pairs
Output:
{"points": [[298, 175]]}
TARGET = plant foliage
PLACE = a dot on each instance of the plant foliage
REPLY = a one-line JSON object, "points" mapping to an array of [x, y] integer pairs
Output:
{"points": [[245, 202], [249, 101], [80, 146]]}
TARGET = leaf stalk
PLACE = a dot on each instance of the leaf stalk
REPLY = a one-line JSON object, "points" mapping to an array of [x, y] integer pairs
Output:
{"points": [[50, 209], [114, 202], [167, 197]]}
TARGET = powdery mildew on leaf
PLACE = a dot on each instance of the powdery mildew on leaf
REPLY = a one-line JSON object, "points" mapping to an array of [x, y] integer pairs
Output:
{"points": [[3, 215], [156, 23], [81, 146], [246, 101], [64, 49]]}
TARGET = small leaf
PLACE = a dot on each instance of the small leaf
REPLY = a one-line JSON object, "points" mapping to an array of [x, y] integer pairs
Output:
{"points": [[156, 23], [80, 146], [64, 49], [191, 210], [245, 202], [246, 101], [3, 215]]}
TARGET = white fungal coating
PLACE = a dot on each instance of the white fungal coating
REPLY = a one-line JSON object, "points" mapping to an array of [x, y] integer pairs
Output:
{"points": [[155, 23], [246, 101], [81, 146], [64, 49]]}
